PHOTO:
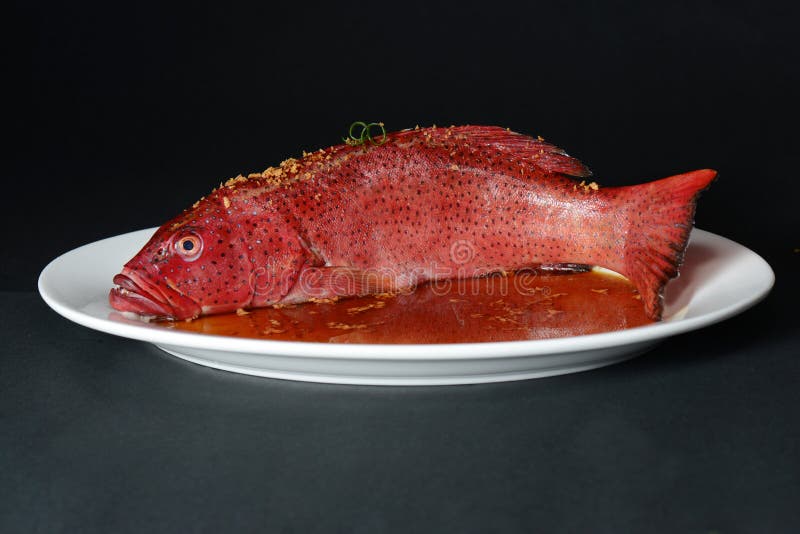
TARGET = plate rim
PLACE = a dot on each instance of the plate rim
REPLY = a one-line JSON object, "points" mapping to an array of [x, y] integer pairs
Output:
{"points": [[405, 352]]}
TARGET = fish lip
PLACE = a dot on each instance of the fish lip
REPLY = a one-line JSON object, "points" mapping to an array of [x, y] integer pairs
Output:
{"points": [[131, 294], [125, 300], [136, 294], [127, 282]]}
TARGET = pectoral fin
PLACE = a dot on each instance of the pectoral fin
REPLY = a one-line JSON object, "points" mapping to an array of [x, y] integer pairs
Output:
{"points": [[333, 283]]}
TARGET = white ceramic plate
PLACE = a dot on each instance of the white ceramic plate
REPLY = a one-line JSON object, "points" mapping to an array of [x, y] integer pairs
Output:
{"points": [[719, 279]]}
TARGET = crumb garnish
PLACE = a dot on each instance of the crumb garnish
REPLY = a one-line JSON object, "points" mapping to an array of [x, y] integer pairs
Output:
{"points": [[345, 326], [359, 309], [272, 330], [316, 300]]}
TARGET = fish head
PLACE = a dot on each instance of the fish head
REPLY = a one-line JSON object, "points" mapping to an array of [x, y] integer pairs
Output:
{"points": [[216, 257]]}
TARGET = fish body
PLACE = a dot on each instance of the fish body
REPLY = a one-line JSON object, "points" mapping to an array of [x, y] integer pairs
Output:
{"points": [[428, 204]]}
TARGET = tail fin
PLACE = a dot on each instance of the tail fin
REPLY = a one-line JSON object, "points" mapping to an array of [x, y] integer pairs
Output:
{"points": [[660, 216]]}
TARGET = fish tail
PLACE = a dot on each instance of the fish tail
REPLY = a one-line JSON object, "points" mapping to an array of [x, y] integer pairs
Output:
{"points": [[660, 216]]}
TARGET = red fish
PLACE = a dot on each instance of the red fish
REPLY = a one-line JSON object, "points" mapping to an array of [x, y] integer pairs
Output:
{"points": [[427, 204]]}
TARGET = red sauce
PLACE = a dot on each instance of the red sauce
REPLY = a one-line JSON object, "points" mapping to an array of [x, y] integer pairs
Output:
{"points": [[496, 308]]}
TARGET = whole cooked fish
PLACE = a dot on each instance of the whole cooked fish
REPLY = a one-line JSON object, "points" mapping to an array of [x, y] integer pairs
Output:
{"points": [[428, 204]]}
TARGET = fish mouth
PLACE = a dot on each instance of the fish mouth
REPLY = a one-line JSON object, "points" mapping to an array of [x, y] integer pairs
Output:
{"points": [[134, 295]]}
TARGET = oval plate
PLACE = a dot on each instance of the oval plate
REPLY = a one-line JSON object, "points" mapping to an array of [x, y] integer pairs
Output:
{"points": [[719, 279]]}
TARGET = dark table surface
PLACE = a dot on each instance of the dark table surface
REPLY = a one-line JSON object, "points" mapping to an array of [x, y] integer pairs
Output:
{"points": [[104, 434]]}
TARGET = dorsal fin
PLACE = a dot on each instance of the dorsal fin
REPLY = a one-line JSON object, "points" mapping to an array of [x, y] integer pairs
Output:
{"points": [[534, 151]]}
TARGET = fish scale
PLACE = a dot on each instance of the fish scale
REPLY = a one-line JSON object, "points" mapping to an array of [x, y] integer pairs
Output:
{"points": [[427, 204]]}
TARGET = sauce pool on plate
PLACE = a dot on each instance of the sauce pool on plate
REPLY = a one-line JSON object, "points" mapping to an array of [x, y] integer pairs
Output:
{"points": [[519, 306]]}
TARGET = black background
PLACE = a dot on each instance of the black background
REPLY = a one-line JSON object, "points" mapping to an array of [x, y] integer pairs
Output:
{"points": [[126, 115], [120, 115]]}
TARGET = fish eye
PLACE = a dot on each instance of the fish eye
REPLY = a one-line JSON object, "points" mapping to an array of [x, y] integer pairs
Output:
{"points": [[189, 246]]}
